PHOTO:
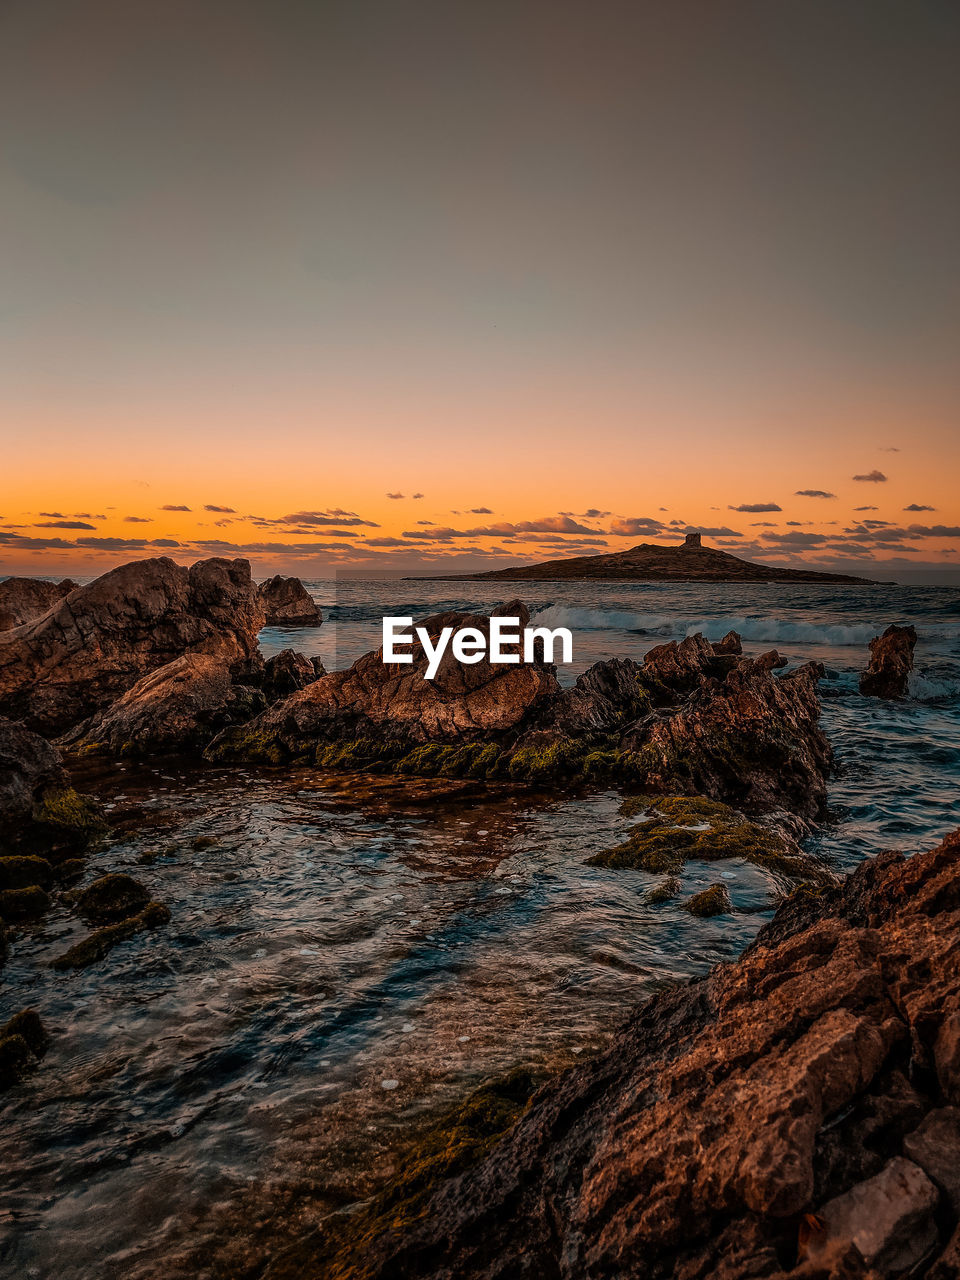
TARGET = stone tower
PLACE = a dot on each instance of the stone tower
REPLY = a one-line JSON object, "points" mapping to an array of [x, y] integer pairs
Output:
{"points": [[692, 540]]}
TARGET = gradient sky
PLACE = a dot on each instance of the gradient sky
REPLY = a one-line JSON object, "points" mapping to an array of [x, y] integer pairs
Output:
{"points": [[580, 275]]}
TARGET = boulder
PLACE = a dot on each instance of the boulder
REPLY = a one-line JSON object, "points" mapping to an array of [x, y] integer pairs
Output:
{"points": [[113, 897], [23, 599], [287, 603], [23, 1041], [176, 709], [751, 740], [753, 1124], [395, 704], [38, 806], [891, 661], [287, 672], [97, 944], [98, 641]]}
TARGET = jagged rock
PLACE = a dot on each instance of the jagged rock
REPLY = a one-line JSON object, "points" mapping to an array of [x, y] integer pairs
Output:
{"points": [[935, 1147], [604, 698], [37, 803], [751, 740], [891, 661], [395, 703], [178, 708], [288, 671], [888, 1218], [23, 599], [679, 667], [729, 645], [749, 1125], [287, 603], [88, 650]]}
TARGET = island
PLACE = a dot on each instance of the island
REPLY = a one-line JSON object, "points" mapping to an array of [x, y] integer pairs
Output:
{"points": [[690, 562]]}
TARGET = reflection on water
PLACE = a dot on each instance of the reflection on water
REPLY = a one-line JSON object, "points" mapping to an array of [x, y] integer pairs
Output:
{"points": [[348, 953]]}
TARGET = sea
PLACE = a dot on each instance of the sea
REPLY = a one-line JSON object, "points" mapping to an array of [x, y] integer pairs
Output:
{"points": [[349, 955]]}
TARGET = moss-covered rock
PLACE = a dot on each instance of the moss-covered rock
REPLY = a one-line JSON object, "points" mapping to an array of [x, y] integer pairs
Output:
{"points": [[23, 1041], [96, 945], [69, 871], [66, 813], [668, 888], [714, 901], [675, 829], [113, 897], [23, 904], [18, 872]]}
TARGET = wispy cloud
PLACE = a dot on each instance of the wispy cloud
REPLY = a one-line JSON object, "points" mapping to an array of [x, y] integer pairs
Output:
{"points": [[916, 506], [872, 477], [170, 506], [220, 511], [813, 493], [756, 507]]}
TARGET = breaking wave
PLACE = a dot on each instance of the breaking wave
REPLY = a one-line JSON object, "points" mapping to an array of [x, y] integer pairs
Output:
{"points": [[765, 630]]}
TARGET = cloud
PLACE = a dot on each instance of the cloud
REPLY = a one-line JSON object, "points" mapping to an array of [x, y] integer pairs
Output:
{"points": [[635, 526], [756, 507], [424, 522], [170, 506], [916, 506], [53, 515], [418, 495], [796, 539], [395, 496], [813, 493], [220, 511], [63, 524], [335, 515], [762, 524], [478, 511], [890, 449], [866, 508], [722, 532], [137, 520], [872, 477]]}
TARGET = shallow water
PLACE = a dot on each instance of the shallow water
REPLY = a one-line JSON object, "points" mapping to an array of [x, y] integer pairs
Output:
{"points": [[342, 934]]}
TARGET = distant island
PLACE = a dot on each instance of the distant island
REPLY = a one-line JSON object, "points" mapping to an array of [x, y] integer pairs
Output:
{"points": [[690, 562]]}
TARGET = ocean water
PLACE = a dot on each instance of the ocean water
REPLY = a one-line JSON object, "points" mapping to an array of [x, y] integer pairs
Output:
{"points": [[346, 955]]}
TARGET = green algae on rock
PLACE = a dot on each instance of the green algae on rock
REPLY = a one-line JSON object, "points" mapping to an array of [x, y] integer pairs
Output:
{"points": [[66, 813], [23, 904], [675, 829], [111, 898], [714, 901], [96, 945], [21, 871]]}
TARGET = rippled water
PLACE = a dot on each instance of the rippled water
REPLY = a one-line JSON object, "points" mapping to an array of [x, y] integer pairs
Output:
{"points": [[341, 934]]}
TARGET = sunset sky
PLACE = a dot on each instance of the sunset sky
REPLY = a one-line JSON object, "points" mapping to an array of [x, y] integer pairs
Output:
{"points": [[387, 284]]}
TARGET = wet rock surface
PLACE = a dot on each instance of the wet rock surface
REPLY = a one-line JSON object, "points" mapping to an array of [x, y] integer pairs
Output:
{"points": [[287, 603], [23, 599], [287, 672], [84, 653], [39, 809], [784, 1116], [891, 661]]}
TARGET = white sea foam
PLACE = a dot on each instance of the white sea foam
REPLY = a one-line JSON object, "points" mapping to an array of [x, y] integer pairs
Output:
{"points": [[765, 630]]}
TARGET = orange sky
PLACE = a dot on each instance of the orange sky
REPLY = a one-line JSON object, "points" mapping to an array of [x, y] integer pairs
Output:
{"points": [[519, 260]]}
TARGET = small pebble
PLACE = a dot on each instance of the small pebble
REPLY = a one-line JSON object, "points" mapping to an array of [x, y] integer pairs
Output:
{"points": [[389, 1084]]}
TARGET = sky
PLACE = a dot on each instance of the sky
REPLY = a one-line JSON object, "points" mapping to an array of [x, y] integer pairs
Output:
{"points": [[431, 286]]}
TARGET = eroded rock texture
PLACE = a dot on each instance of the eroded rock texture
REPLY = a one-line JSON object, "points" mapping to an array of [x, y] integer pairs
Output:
{"points": [[792, 1114], [23, 599], [287, 603], [891, 661], [81, 655]]}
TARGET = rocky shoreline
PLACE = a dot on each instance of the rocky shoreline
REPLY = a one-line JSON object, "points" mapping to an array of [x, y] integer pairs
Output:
{"points": [[698, 1142]]}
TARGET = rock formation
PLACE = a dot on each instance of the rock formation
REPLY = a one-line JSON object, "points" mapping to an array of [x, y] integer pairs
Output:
{"points": [[176, 709], [38, 807], [891, 661], [288, 671], [23, 599], [287, 603], [693, 718], [86, 651], [794, 1114]]}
